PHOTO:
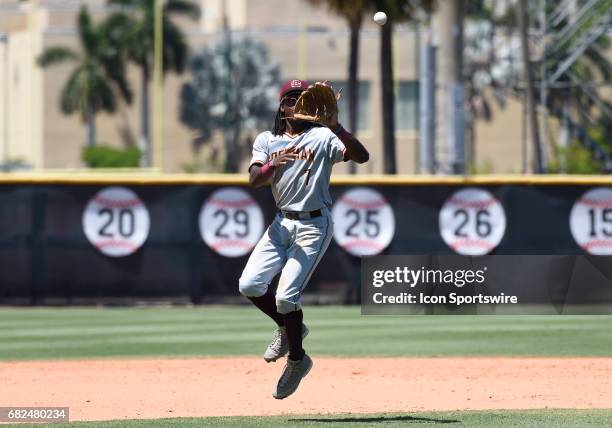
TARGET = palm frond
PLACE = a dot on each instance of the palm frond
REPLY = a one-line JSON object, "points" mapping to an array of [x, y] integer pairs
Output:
{"points": [[86, 32], [55, 55], [72, 99], [119, 27], [104, 96], [175, 48], [183, 7]]}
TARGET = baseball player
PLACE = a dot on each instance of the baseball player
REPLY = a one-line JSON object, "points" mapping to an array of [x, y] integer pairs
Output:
{"points": [[296, 159]]}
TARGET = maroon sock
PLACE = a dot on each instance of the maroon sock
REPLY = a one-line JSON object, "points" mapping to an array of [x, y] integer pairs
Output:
{"points": [[267, 304], [293, 323]]}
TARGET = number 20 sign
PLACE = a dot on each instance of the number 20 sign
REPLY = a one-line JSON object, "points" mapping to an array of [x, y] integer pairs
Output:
{"points": [[116, 221], [364, 223]]}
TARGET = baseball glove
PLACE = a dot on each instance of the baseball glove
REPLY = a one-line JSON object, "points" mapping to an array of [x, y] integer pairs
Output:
{"points": [[318, 103]]}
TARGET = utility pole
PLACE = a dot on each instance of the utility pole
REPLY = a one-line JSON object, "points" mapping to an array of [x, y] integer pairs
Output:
{"points": [[4, 39], [427, 106], [528, 71], [543, 79], [158, 86]]}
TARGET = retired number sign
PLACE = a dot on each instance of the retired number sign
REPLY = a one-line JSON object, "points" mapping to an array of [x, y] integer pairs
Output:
{"points": [[591, 221], [116, 221], [364, 223], [231, 222], [472, 222]]}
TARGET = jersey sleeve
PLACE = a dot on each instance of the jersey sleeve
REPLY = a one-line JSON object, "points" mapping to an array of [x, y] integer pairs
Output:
{"points": [[337, 150], [260, 150]]}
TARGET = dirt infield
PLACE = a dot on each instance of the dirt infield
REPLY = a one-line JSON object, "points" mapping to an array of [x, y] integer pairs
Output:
{"points": [[155, 388]]}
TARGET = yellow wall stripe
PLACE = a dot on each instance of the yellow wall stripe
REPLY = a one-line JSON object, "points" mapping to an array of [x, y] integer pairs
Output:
{"points": [[346, 180]]}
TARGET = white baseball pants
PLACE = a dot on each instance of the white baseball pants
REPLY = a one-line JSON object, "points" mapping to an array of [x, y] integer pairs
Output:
{"points": [[294, 247]]}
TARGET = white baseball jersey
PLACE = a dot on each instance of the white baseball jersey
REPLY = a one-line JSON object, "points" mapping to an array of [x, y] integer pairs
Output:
{"points": [[301, 185]]}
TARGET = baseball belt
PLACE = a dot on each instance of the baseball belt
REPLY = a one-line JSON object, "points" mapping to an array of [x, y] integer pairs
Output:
{"points": [[296, 215]]}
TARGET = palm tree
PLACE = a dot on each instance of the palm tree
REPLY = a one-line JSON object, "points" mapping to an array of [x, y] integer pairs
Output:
{"points": [[89, 88], [352, 11], [397, 11], [133, 27]]}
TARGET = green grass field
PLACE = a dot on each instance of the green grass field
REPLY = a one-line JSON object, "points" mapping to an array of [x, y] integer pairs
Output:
{"points": [[51, 333], [61, 333], [526, 418]]}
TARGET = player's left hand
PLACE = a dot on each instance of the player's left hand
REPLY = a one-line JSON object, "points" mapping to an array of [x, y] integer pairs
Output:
{"points": [[333, 119], [319, 104]]}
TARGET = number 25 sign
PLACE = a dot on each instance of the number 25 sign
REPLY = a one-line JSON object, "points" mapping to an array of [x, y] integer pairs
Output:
{"points": [[364, 223]]}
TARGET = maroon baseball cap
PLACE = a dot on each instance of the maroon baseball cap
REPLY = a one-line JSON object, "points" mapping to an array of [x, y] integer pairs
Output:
{"points": [[293, 85]]}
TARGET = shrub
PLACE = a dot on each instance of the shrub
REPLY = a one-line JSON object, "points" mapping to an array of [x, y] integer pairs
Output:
{"points": [[102, 156]]}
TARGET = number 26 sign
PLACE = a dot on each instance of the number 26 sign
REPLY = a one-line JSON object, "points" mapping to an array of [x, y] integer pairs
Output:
{"points": [[472, 222]]}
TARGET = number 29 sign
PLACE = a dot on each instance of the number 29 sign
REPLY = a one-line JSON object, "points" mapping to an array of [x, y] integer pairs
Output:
{"points": [[116, 221], [231, 222]]}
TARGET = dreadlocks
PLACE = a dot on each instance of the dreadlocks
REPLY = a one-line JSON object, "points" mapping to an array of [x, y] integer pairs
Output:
{"points": [[279, 124]]}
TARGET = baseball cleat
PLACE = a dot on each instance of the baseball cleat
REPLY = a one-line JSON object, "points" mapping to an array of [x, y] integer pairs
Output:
{"points": [[280, 344], [292, 375]]}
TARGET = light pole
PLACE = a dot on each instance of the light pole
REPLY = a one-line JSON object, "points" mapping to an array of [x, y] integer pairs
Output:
{"points": [[158, 85], [4, 38]]}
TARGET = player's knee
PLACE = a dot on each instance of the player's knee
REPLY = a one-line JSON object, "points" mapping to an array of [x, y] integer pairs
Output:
{"points": [[250, 288], [287, 306]]}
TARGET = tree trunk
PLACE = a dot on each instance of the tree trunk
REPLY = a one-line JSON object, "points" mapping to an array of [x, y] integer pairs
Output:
{"points": [[353, 81], [91, 127], [145, 138], [232, 137], [232, 154], [386, 71], [448, 27], [470, 131]]}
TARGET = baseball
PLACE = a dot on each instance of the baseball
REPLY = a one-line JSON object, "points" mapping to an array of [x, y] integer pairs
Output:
{"points": [[380, 18]]}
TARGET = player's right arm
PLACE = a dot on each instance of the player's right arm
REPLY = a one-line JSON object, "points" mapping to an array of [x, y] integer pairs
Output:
{"points": [[260, 175], [262, 167]]}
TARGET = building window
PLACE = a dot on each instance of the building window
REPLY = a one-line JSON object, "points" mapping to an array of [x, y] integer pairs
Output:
{"points": [[363, 103], [407, 106]]}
